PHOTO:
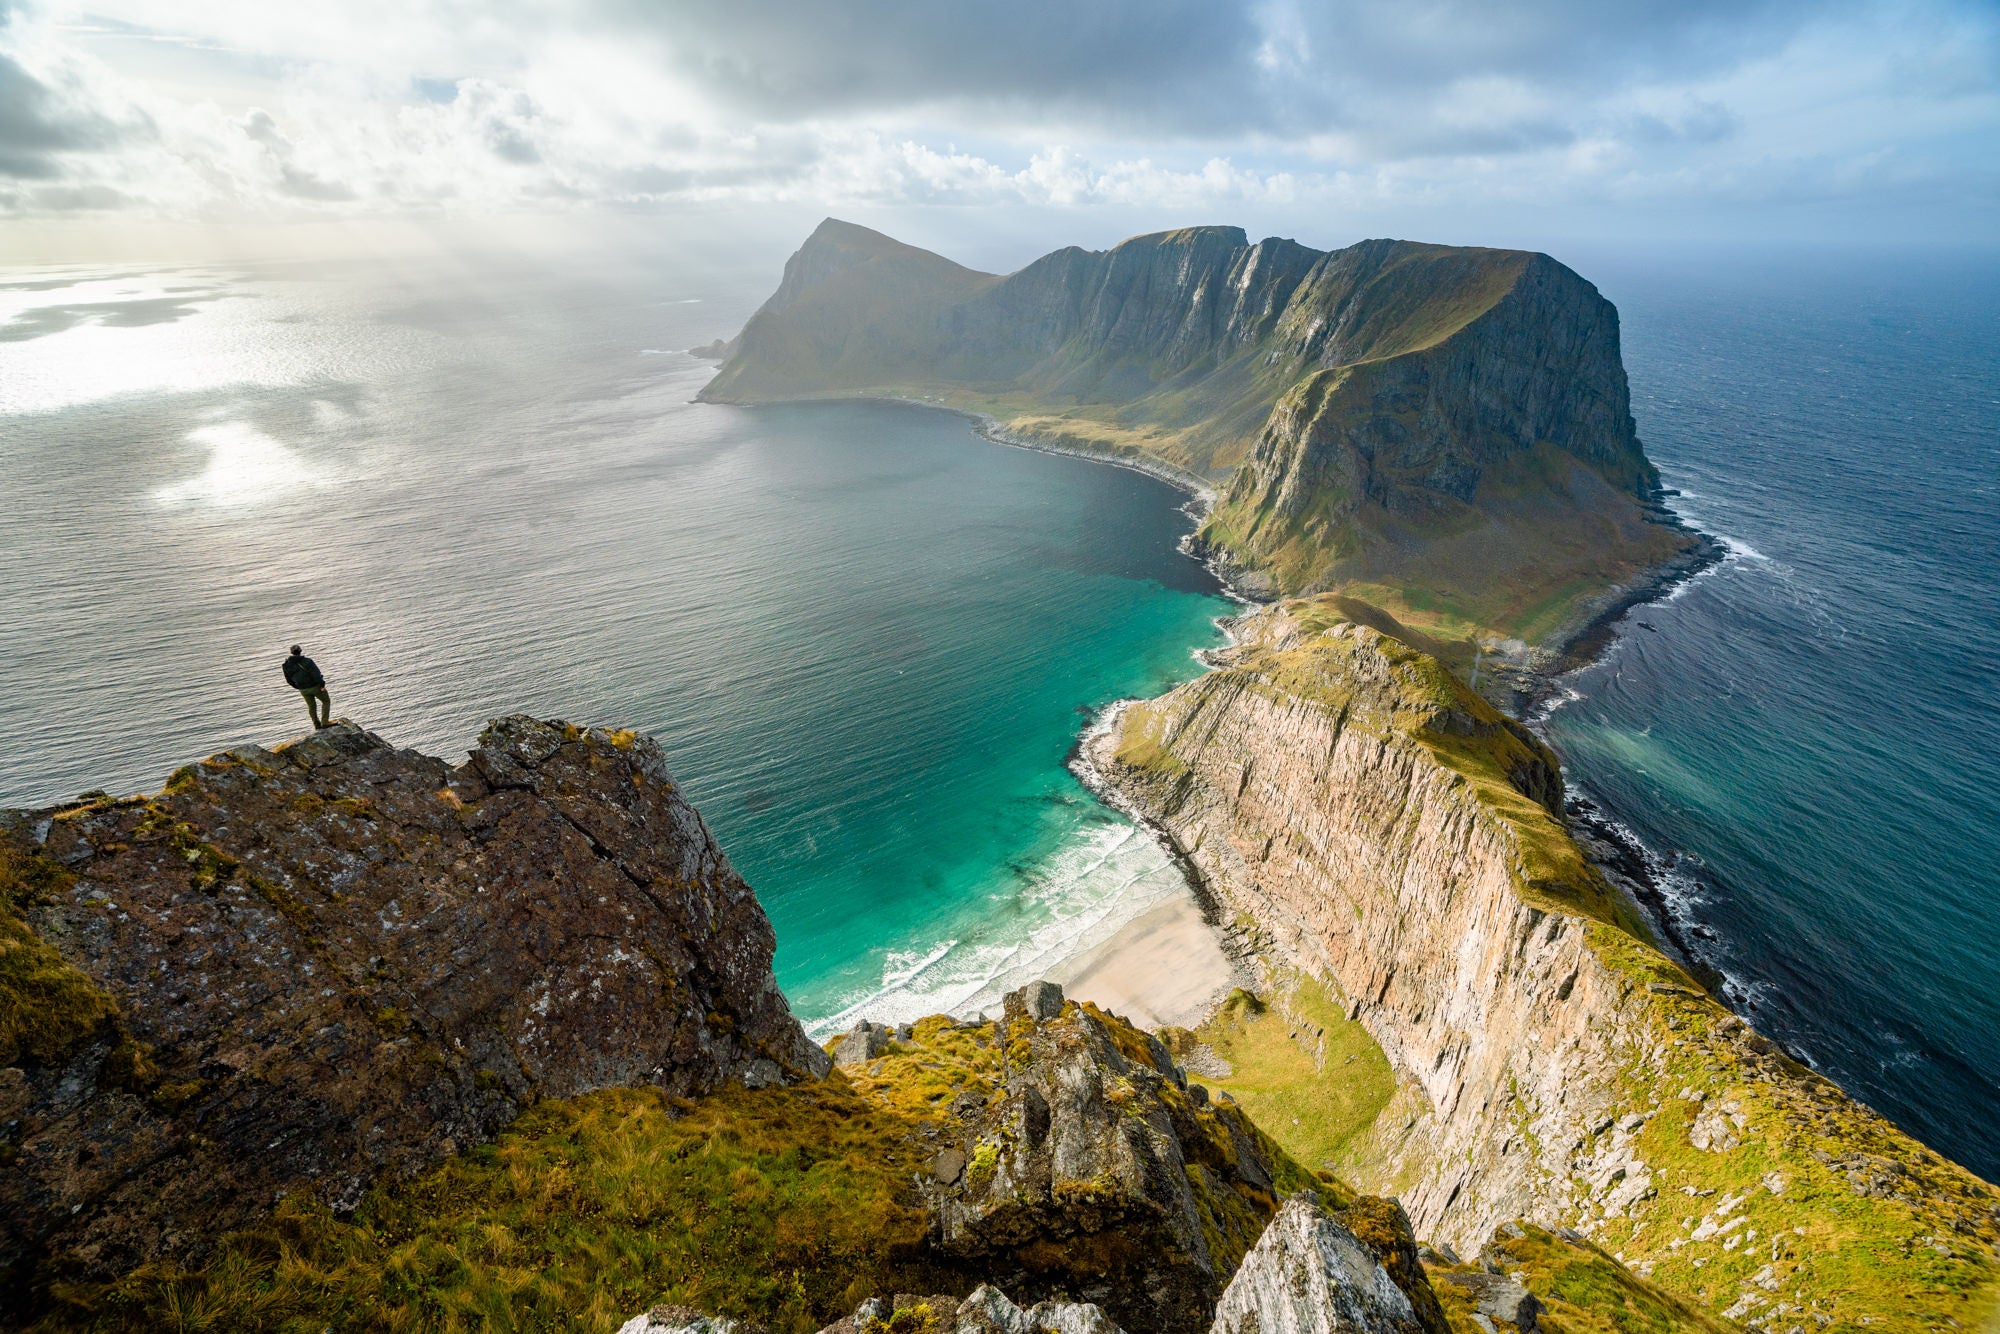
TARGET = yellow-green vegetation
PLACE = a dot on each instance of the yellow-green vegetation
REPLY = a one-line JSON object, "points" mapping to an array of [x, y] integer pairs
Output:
{"points": [[1309, 1077], [47, 1005], [1141, 742], [1768, 1192], [916, 1318], [1330, 609], [785, 1206], [1543, 534], [1798, 1184], [1583, 1290], [1509, 776]]}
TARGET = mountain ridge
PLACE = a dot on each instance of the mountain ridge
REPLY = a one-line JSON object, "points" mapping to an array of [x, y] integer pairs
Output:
{"points": [[1355, 406]]}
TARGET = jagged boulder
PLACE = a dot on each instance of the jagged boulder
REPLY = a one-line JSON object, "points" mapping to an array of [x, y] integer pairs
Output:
{"points": [[986, 1311], [1087, 1167], [336, 960], [864, 1044], [666, 1319], [1497, 1297], [1308, 1274]]}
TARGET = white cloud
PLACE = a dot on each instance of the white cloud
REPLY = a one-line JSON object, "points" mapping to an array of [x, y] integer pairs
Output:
{"points": [[235, 109]]}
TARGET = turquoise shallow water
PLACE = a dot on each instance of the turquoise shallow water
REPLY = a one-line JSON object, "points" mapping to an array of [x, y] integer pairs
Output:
{"points": [[1809, 736], [867, 638]]}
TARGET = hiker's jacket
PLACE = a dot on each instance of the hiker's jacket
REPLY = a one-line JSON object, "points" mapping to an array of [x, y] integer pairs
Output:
{"points": [[302, 674]]}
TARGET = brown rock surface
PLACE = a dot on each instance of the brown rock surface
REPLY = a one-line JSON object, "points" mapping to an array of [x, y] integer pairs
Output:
{"points": [[340, 959], [1087, 1168]]}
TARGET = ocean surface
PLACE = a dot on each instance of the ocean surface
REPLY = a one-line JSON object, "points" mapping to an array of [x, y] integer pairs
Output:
{"points": [[1809, 735], [866, 638]]}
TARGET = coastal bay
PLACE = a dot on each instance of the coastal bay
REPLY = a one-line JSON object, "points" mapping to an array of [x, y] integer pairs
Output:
{"points": [[866, 637]]}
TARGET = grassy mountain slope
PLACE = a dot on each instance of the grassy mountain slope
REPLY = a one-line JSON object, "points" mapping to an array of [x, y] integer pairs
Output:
{"points": [[1441, 430]]}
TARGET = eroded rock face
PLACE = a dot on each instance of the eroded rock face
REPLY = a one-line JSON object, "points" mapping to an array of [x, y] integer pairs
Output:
{"points": [[986, 1311], [1392, 835], [1090, 1166], [340, 959], [1309, 1275]]}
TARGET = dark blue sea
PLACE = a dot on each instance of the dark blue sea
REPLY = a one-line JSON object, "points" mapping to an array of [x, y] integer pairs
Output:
{"points": [[1809, 735]]}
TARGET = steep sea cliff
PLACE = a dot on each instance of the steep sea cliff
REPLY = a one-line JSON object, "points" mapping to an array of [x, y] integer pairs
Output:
{"points": [[1371, 822], [1438, 444], [1565, 1096]]}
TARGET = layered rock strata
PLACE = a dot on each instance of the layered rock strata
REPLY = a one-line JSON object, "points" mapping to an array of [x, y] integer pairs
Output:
{"points": [[299, 970], [1388, 832]]}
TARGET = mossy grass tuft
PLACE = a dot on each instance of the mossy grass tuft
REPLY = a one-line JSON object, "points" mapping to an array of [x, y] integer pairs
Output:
{"points": [[783, 1206], [47, 1005], [1311, 1079], [1584, 1290]]}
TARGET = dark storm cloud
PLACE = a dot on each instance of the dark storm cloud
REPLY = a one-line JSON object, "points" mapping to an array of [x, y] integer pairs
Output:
{"points": [[36, 125], [1395, 69]]}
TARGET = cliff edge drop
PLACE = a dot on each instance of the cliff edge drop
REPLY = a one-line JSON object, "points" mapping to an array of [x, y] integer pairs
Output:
{"points": [[1368, 820]]}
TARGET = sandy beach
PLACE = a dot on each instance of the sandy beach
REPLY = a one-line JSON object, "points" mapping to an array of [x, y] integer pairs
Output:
{"points": [[1166, 966]]}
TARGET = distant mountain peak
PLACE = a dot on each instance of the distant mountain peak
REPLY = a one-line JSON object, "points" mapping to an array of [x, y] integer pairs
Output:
{"points": [[1446, 423]]}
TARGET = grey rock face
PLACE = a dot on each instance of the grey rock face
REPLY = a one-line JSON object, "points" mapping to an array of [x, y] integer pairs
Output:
{"points": [[1310, 1275], [664, 1319], [863, 1045], [1037, 1000], [1498, 1297], [1092, 1148], [986, 1311]]}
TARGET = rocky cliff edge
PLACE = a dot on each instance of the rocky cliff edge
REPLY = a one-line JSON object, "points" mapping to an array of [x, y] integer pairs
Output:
{"points": [[1370, 821], [296, 972]]}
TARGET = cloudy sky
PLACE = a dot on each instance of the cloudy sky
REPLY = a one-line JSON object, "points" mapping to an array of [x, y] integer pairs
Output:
{"points": [[1452, 119]]}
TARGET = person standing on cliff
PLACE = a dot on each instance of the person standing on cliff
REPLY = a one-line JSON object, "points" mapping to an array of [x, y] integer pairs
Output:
{"points": [[302, 674]]}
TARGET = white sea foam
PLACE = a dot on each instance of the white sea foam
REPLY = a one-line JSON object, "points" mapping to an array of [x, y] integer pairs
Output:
{"points": [[1098, 879]]}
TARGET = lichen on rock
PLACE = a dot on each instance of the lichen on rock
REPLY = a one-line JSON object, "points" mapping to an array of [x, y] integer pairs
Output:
{"points": [[1310, 1275]]}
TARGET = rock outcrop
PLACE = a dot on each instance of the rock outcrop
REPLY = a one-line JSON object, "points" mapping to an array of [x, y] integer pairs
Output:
{"points": [[1389, 833], [1069, 1157], [299, 970], [986, 1310], [1309, 1275], [1083, 1165], [1391, 417]]}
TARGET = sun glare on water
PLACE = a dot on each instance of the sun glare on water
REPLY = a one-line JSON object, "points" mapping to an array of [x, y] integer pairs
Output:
{"points": [[245, 466]]}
